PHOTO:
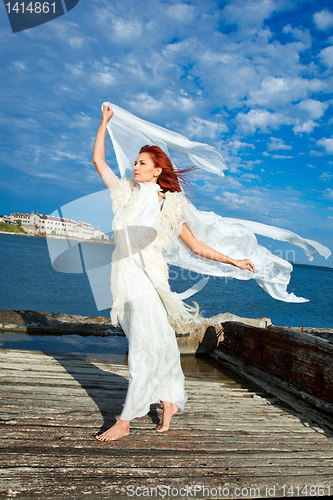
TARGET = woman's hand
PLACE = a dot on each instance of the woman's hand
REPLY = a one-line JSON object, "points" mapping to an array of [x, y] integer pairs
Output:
{"points": [[200, 248], [107, 112], [245, 264]]}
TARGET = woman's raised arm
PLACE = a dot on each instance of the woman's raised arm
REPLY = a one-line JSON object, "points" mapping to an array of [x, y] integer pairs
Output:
{"points": [[204, 250], [98, 159]]}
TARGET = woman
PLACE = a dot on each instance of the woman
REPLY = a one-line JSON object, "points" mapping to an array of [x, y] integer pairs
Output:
{"points": [[148, 211]]}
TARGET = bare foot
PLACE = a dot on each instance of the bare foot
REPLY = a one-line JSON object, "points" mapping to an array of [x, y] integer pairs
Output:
{"points": [[169, 409], [118, 430]]}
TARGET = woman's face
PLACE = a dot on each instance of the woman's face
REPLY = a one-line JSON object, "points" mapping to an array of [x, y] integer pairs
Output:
{"points": [[145, 170]]}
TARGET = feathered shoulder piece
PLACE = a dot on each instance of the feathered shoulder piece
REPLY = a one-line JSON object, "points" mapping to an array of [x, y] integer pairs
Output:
{"points": [[174, 213], [122, 193]]}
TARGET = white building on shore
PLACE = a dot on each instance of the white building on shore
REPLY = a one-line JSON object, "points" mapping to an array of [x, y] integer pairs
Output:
{"points": [[57, 226], [25, 219]]}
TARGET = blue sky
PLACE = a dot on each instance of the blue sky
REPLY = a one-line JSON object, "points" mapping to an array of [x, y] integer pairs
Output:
{"points": [[251, 77]]}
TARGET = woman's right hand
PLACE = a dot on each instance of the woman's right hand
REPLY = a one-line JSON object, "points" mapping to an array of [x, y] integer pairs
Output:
{"points": [[107, 112], [245, 264]]}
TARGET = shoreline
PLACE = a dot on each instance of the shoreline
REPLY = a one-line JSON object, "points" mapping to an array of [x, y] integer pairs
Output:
{"points": [[44, 236], [193, 336]]}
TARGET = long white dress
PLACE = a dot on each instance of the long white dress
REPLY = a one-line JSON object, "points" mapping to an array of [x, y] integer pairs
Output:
{"points": [[142, 296]]}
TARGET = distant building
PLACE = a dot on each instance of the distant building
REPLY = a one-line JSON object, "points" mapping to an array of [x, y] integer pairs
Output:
{"points": [[27, 219], [57, 226]]}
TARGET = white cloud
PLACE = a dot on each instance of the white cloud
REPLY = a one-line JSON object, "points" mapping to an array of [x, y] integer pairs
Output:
{"points": [[198, 127], [260, 119], [127, 30], [314, 109], [306, 127], [236, 145], [277, 143], [45, 175], [20, 65], [328, 193], [277, 91], [75, 69], [298, 34], [249, 14], [276, 157], [323, 19], [222, 183], [103, 77], [262, 204], [250, 177], [249, 164], [146, 104], [281, 157], [326, 55], [182, 12], [77, 42], [120, 28], [327, 144], [326, 176]]}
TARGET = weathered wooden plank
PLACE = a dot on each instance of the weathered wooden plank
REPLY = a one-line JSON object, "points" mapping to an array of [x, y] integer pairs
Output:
{"points": [[60, 434], [301, 401], [175, 472], [218, 463], [100, 484], [239, 451], [114, 487], [303, 360]]}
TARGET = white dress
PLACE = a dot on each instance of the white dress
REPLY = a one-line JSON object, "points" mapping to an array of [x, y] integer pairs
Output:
{"points": [[142, 299]]}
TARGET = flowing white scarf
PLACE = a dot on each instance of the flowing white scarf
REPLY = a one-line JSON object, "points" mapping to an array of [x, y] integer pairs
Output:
{"points": [[129, 133]]}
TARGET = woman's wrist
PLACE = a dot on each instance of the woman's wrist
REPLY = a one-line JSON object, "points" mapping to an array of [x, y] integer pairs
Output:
{"points": [[228, 260]]}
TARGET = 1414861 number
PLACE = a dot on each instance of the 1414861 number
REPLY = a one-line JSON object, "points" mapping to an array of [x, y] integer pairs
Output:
{"points": [[32, 7]]}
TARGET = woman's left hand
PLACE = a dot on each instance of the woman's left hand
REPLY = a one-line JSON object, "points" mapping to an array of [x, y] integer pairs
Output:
{"points": [[245, 264]]}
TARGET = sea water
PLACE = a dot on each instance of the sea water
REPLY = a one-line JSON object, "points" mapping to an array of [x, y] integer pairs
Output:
{"points": [[28, 281]]}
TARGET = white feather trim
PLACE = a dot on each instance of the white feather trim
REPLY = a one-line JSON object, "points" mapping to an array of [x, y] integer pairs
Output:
{"points": [[121, 193]]}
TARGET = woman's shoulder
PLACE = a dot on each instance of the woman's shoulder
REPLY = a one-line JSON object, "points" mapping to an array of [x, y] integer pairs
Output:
{"points": [[175, 208], [125, 183], [175, 212], [177, 200], [122, 192]]}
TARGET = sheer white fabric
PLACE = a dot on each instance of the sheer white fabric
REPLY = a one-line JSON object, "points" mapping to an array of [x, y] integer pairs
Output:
{"points": [[232, 237], [129, 133]]}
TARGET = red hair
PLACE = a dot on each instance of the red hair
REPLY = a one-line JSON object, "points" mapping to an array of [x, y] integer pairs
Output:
{"points": [[169, 179]]}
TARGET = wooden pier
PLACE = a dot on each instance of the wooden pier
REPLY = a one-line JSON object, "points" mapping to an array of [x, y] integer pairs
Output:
{"points": [[234, 440]]}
